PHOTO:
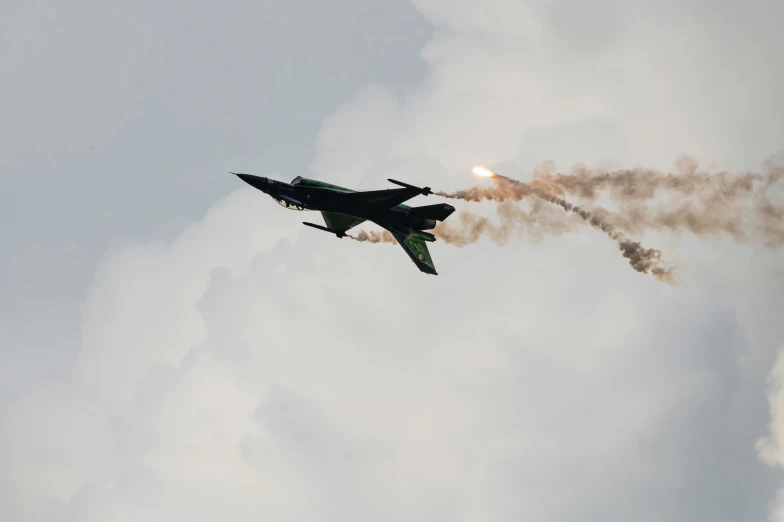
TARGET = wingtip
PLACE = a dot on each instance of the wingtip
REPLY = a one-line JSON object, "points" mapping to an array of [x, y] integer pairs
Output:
{"points": [[426, 269]]}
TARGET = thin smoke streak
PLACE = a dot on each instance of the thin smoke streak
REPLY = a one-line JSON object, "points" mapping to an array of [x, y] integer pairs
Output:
{"points": [[373, 237]]}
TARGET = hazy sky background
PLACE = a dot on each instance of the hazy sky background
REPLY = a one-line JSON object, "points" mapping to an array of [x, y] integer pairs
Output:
{"points": [[174, 346]]}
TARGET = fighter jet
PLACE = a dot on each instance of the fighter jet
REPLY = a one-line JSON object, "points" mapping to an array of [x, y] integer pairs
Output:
{"points": [[344, 209]]}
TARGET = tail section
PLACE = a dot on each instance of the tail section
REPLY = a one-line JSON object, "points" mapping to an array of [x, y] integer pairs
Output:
{"points": [[438, 212]]}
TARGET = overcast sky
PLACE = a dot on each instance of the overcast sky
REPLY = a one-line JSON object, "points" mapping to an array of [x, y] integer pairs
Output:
{"points": [[174, 346]]}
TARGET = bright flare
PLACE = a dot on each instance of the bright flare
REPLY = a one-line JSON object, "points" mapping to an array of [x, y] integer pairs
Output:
{"points": [[481, 171]]}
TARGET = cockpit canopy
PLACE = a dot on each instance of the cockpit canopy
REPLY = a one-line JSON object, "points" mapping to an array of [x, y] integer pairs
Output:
{"points": [[296, 181]]}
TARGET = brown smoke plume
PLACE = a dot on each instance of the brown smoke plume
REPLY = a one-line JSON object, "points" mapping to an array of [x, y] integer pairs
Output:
{"points": [[534, 225], [641, 259], [701, 202]]}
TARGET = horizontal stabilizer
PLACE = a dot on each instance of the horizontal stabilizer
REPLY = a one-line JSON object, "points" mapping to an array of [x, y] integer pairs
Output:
{"points": [[426, 236], [439, 212], [424, 191]]}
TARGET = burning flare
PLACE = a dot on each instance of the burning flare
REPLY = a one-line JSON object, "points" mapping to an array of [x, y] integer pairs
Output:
{"points": [[481, 171]]}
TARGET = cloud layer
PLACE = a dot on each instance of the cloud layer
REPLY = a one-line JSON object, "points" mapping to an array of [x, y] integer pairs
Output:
{"points": [[250, 368]]}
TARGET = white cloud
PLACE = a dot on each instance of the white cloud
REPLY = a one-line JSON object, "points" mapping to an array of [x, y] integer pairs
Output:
{"points": [[371, 118], [770, 447], [169, 279], [254, 369], [337, 386]]}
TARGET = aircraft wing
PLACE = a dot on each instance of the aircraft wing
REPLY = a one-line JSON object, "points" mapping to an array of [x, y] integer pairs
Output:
{"points": [[415, 245], [340, 222], [386, 198]]}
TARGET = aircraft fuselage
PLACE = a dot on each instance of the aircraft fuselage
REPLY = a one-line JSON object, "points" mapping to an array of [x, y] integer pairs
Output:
{"points": [[319, 196]]}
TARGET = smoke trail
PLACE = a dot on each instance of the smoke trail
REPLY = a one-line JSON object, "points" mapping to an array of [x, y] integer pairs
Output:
{"points": [[534, 225], [701, 202], [641, 259], [373, 237], [499, 193], [643, 183]]}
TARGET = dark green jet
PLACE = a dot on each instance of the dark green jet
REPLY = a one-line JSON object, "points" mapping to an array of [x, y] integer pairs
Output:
{"points": [[343, 209]]}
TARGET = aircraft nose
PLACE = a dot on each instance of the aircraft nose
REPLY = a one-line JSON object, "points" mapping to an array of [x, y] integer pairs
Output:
{"points": [[254, 181]]}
